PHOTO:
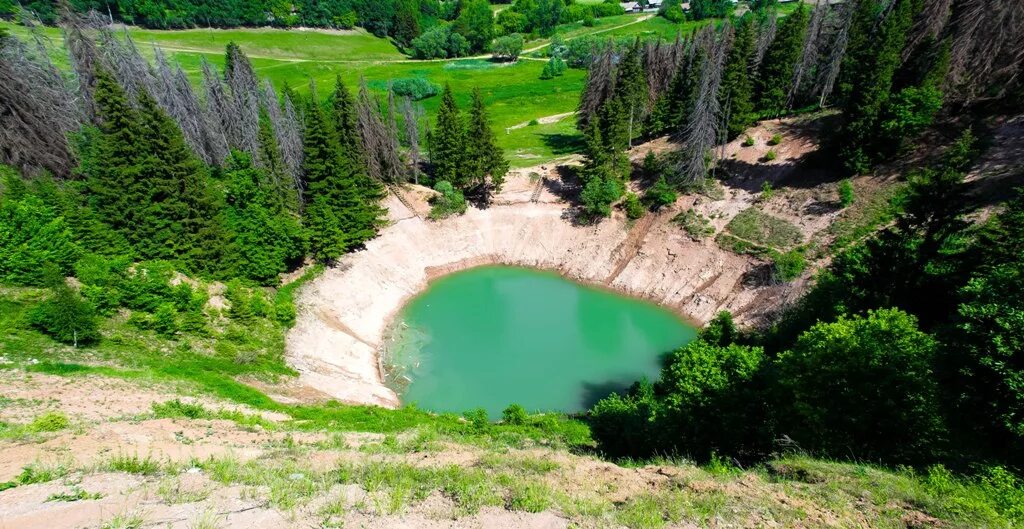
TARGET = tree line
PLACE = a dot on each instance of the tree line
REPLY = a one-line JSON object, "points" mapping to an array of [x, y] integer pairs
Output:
{"points": [[890, 67], [227, 180], [425, 28]]}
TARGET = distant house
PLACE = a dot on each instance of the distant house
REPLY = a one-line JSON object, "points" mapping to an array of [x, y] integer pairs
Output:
{"points": [[637, 7]]}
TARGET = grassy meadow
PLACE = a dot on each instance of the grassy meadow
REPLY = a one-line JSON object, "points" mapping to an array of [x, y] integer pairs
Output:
{"points": [[514, 93]]}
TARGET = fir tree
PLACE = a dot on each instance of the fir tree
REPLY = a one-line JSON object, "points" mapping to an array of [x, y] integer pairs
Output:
{"points": [[266, 237], [447, 142], [631, 91], [66, 317], [483, 156], [114, 174], [342, 211], [276, 179], [180, 218], [875, 52], [776, 74], [346, 122], [735, 97]]}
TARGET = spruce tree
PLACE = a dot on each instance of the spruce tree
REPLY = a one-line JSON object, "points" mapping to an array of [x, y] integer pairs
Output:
{"points": [[114, 174], [683, 92], [632, 92], [447, 142], [276, 179], [343, 113], [266, 237], [735, 97], [342, 210], [483, 156], [874, 54], [776, 74], [180, 218]]}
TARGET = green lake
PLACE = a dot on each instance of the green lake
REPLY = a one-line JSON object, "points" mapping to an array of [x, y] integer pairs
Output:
{"points": [[490, 336]]}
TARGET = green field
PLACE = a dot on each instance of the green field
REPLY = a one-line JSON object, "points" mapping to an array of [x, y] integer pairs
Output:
{"points": [[514, 93]]}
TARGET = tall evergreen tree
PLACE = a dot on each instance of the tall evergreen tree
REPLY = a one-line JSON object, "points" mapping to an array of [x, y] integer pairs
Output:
{"points": [[341, 211], [483, 156], [875, 52], [346, 122], [266, 237], [776, 74], [447, 142], [277, 178], [736, 95], [180, 217], [631, 90]]}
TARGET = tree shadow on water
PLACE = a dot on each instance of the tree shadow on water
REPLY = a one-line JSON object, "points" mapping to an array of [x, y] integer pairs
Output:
{"points": [[592, 392]]}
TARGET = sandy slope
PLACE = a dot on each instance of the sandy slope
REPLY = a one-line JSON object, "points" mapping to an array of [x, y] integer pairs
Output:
{"points": [[343, 315]]}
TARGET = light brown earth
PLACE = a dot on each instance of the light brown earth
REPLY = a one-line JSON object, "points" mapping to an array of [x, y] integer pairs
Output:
{"points": [[344, 314], [285, 478]]}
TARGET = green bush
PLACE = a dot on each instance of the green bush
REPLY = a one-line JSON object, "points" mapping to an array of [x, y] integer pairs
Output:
{"points": [[748, 141], [415, 88], [790, 265], [514, 414], [695, 225], [770, 156], [36, 245], [165, 320], [632, 206], [449, 202], [66, 317], [767, 191], [598, 195], [775, 140], [864, 382], [507, 48], [660, 195], [846, 193], [49, 422]]}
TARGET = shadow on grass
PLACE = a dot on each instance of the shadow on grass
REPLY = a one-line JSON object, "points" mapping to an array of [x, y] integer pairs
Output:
{"points": [[562, 144]]}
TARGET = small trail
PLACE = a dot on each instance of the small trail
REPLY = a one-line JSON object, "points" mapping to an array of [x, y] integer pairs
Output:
{"points": [[629, 247], [546, 120], [405, 202], [605, 30], [535, 197]]}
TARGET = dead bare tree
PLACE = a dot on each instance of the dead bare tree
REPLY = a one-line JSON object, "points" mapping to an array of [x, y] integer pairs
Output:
{"points": [[83, 53], [810, 54], [180, 102], [765, 36], [244, 108], [123, 60], [832, 58], [701, 130], [599, 87], [411, 114], [216, 117], [379, 140], [986, 52], [37, 111], [287, 132]]}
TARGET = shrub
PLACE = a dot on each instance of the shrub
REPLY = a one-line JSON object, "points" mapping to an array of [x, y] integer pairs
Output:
{"points": [[632, 206], [415, 88], [514, 414], [449, 202], [598, 195], [507, 48], [165, 320], [748, 141], [789, 265], [767, 191], [49, 422], [478, 419], [695, 225], [770, 156], [659, 195], [864, 382], [36, 245], [66, 317], [775, 140], [846, 193]]}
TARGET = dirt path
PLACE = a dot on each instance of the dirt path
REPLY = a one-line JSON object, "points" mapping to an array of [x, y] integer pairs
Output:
{"points": [[546, 120], [605, 30], [629, 247]]}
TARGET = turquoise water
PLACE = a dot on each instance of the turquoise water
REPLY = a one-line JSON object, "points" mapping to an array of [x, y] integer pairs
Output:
{"points": [[490, 336]]}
